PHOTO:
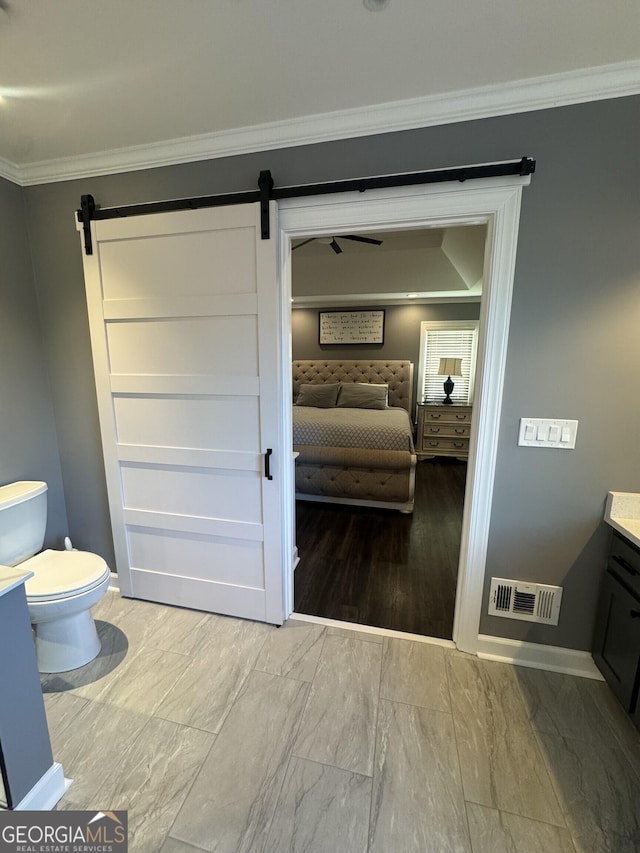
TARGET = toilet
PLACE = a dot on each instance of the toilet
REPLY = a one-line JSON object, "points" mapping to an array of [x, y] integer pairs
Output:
{"points": [[65, 584]]}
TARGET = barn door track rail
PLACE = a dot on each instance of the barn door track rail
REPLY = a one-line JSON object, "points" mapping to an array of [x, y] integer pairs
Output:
{"points": [[267, 191]]}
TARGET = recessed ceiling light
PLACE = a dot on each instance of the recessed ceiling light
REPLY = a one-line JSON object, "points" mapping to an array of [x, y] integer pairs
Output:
{"points": [[375, 5]]}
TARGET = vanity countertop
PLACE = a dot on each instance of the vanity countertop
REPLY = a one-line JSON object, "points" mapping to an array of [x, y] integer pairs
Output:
{"points": [[622, 512], [10, 578]]}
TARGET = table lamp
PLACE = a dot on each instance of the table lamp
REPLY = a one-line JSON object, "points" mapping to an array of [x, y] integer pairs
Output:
{"points": [[449, 367]]}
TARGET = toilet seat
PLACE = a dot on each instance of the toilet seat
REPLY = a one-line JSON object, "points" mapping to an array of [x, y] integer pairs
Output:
{"points": [[63, 574]]}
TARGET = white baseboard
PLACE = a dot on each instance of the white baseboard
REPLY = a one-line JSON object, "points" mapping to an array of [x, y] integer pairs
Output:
{"points": [[537, 656], [47, 791], [517, 652]]}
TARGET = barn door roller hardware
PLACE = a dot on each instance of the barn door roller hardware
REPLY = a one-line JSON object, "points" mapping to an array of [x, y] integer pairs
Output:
{"points": [[267, 191], [85, 214], [265, 182]]}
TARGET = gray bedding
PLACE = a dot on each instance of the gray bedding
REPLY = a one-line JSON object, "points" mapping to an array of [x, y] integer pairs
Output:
{"points": [[371, 429]]}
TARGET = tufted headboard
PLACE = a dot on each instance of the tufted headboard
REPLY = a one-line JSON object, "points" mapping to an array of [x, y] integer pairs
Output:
{"points": [[398, 375]]}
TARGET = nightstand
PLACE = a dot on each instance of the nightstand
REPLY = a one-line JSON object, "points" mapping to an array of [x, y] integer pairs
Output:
{"points": [[443, 430]]}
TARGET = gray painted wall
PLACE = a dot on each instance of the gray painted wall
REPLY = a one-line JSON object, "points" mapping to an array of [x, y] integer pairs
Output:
{"points": [[401, 332], [28, 446], [574, 347]]}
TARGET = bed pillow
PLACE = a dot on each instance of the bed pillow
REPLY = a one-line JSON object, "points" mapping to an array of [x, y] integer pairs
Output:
{"points": [[318, 396], [363, 395]]}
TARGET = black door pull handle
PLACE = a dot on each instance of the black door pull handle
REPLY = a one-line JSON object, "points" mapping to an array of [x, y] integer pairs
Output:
{"points": [[267, 463]]}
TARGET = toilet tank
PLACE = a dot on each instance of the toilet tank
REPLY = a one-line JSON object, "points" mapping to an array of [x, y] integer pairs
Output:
{"points": [[23, 519]]}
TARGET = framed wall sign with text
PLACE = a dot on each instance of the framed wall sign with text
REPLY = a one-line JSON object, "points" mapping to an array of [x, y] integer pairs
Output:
{"points": [[351, 327]]}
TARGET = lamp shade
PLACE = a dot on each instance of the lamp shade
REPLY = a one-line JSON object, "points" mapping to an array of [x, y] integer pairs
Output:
{"points": [[450, 367]]}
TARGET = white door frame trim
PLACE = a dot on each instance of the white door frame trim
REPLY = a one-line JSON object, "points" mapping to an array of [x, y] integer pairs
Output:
{"points": [[495, 202]]}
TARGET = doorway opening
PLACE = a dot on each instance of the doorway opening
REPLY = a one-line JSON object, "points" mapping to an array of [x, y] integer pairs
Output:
{"points": [[359, 561], [494, 203]]}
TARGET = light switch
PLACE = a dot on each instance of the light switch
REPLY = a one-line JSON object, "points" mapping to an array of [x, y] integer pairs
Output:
{"points": [[547, 432]]}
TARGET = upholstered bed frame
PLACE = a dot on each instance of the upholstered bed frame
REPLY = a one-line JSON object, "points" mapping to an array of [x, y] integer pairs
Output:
{"points": [[380, 478], [398, 375]]}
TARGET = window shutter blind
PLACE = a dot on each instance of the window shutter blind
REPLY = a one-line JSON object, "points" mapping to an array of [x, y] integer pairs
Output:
{"points": [[448, 343]]}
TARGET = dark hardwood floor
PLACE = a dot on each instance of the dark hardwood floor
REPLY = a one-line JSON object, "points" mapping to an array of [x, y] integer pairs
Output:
{"points": [[379, 567]]}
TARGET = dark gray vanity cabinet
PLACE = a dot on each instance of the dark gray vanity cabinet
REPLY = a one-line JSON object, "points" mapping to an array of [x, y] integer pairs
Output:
{"points": [[616, 649]]}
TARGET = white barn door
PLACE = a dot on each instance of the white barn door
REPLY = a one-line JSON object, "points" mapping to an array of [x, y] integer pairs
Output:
{"points": [[183, 313]]}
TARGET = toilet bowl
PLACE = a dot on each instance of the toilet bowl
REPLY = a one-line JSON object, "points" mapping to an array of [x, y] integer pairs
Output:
{"points": [[64, 587], [65, 584]]}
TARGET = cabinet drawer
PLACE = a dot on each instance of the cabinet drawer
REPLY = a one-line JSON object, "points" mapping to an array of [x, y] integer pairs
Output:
{"points": [[624, 561], [440, 430], [447, 415], [452, 445], [617, 640]]}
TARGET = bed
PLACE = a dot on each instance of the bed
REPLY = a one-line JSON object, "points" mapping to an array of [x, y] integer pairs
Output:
{"points": [[352, 432]]}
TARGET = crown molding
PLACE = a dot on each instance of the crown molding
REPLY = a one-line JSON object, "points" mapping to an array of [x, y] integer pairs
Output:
{"points": [[391, 298], [9, 171], [555, 90]]}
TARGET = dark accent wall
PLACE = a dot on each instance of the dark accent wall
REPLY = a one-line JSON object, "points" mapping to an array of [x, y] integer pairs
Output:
{"points": [[401, 332], [28, 446], [573, 350]]}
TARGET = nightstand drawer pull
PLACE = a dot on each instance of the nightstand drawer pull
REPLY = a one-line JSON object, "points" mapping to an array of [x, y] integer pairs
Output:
{"points": [[434, 429], [460, 431], [461, 417]]}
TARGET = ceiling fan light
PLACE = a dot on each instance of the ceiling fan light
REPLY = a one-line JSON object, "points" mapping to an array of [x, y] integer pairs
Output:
{"points": [[375, 5]]}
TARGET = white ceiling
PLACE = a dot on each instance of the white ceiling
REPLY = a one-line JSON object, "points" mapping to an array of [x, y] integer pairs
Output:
{"points": [[79, 78], [415, 266]]}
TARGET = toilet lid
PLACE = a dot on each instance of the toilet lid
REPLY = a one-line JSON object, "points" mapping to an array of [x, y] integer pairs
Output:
{"points": [[59, 573]]}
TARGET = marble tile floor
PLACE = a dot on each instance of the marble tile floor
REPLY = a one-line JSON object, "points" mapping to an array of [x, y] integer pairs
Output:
{"points": [[229, 736]]}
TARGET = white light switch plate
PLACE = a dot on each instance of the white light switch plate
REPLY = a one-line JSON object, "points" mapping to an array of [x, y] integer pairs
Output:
{"points": [[547, 432]]}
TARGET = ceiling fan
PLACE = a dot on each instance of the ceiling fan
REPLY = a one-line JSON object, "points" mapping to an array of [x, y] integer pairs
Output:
{"points": [[331, 241]]}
